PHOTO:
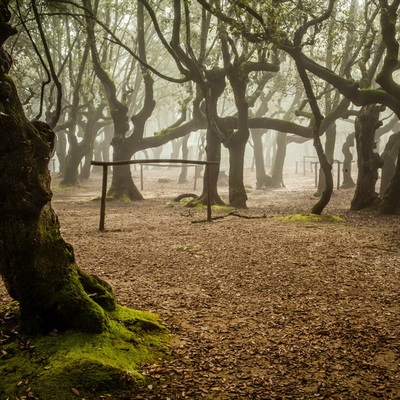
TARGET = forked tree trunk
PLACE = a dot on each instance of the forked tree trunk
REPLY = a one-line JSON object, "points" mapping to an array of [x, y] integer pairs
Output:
{"points": [[37, 266], [368, 161]]}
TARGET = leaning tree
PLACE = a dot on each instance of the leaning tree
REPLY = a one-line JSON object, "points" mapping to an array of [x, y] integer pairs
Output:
{"points": [[37, 266]]}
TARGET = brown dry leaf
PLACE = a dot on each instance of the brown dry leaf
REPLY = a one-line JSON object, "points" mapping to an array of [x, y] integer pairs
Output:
{"points": [[75, 392]]}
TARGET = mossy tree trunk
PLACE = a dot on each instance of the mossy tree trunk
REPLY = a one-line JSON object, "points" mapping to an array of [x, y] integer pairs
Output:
{"points": [[37, 266], [368, 160]]}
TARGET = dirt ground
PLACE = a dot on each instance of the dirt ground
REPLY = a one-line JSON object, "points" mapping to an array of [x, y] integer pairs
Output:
{"points": [[259, 308]]}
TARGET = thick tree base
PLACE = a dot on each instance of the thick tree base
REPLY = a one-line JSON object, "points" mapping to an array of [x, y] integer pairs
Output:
{"points": [[361, 203], [61, 366]]}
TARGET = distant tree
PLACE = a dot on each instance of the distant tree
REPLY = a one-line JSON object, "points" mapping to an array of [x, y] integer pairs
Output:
{"points": [[238, 65], [348, 181]]}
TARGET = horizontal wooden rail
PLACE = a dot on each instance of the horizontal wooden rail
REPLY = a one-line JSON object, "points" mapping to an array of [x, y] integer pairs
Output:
{"points": [[339, 163], [106, 164]]}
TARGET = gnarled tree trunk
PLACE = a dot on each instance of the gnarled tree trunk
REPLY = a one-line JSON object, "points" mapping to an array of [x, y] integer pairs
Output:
{"points": [[368, 161], [37, 266]]}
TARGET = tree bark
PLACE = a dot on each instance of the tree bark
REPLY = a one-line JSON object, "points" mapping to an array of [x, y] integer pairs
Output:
{"points": [[391, 200], [368, 161], [330, 141], [389, 157], [237, 191], [213, 153], [37, 266]]}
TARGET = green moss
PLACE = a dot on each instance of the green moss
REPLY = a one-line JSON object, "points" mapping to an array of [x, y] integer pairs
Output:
{"points": [[54, 366], [163, 132], [215, 207], [307, 218], [190, 248]]}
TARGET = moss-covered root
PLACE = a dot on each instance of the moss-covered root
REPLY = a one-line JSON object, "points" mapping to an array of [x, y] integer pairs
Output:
{"points": [[63, 365], [98, 290]]}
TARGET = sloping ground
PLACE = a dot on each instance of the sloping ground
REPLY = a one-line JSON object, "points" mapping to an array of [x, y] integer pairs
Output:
{"points": [[259, 308]]}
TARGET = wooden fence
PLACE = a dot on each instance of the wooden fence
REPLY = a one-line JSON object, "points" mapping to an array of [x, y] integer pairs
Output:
{"points": [[106, 164]]}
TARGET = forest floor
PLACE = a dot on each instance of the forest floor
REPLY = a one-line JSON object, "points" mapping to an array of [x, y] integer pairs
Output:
{"points": [[260, 308]]}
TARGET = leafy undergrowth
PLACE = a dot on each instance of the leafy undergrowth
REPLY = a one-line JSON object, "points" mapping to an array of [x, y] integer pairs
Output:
{"points": [[79, 365]]}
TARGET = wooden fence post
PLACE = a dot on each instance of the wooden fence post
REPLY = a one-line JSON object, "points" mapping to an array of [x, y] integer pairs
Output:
{"points": [[103, 198]]}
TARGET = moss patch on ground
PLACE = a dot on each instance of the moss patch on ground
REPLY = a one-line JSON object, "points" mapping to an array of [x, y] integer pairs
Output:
{"points": [[307, 218], [215, 207], [71, 365]]}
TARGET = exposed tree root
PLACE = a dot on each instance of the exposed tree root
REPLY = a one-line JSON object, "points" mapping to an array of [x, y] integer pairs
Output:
{"points": [[184, 196]]}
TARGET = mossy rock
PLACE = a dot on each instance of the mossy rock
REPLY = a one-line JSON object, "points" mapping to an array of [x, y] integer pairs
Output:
{"points": [[70, 365]]}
